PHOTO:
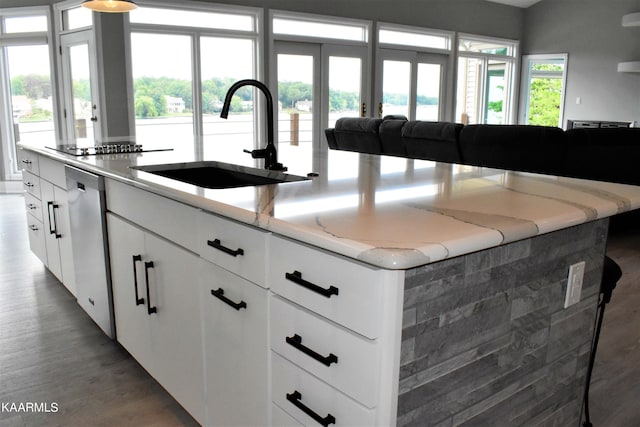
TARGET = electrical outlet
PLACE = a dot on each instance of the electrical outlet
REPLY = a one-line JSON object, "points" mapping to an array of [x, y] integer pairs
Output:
{"points": [[574, 284]]}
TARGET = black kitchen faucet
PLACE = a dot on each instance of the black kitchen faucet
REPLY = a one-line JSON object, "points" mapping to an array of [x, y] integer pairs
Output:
{"points": [[269, 153]]}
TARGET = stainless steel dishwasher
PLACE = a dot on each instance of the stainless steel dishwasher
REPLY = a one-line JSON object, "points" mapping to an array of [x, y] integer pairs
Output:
{"points": [[90, 246]]}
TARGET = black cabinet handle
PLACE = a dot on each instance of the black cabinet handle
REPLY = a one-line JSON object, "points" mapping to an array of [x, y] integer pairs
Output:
{"points": [[53, 223], [216, 244], [219, 293], [29, 184], [26, 161], [147, 266], [295, 398], [33, 228], [296, 277], [136, 258], [31, 206], [296, 342]]}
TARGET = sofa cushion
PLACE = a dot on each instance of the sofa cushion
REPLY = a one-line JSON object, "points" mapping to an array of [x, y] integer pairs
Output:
{"points": [[391, 137], [358, 134], [432, 140], [607, 154], [539, 149]]}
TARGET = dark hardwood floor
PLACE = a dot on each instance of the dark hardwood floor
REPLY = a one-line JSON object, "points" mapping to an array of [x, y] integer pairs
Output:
{"points": [[51, 351]]}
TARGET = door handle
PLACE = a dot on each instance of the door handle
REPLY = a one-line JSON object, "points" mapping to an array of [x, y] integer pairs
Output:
{"points": [[379, 110], [150, 310], [94, 119], [363, 110], [53, 223], [136, 258]]}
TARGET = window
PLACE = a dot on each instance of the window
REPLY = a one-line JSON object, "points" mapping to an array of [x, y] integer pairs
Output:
{"points": [[321, 70], [76, 17], [413, 69], [179, 89], [26, 107], [543, 83], [486, 75]]}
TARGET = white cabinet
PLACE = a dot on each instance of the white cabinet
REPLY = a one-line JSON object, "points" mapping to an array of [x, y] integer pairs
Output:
{"points": [[236, 348], [48, 215], [157, 309]]}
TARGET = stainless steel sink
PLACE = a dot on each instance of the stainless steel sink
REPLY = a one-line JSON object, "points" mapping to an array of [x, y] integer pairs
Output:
{"points": [[212, 174]]}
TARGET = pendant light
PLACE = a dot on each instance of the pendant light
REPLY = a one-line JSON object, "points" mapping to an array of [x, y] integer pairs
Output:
{"points": [[114, 6]]}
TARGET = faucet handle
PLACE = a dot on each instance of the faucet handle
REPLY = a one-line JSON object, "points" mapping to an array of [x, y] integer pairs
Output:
{"points": [[257, 154]]}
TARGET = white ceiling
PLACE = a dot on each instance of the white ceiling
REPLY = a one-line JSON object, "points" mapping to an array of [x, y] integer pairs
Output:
{"points": [[518, 3]]}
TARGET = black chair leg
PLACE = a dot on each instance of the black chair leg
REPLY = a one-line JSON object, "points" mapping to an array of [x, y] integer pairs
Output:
{"points": [[611, 273]]}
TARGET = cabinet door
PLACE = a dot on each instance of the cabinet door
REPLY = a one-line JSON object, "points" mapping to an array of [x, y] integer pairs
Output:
{"points": [[126, 249], [236, 348], [174, 317], [63, 227], [51, 235]]}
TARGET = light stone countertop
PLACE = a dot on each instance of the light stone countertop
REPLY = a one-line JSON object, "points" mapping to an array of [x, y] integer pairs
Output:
{"points": [[388, 212]]}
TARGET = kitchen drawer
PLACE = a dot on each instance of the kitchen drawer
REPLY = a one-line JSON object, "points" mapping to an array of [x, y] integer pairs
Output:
{"points": [[37, 238], [351, 292], [34, 206], [331, 353], [292, 387], [53, 171], [28, 161], [236, 247], [31, 183], [170, 219]]}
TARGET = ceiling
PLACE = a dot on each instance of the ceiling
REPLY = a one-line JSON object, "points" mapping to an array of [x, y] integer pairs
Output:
{"points": [[518, 3]]}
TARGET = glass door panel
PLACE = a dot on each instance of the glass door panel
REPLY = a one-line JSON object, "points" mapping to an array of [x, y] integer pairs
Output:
{"points": [[225, 139], [345, 88], [429, 90], [83, 108], [163, 91], [296, 107], [80, 92], [396, 88], [496, 98]]}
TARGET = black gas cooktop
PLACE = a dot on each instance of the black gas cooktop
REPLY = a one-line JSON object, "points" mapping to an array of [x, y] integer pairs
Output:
{"points": [[94, 150]]}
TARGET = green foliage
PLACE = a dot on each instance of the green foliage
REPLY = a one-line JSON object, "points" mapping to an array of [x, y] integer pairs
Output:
{"points": [[33, 86], [495, 106], [145, 107], [544, 101], [82, 90]]}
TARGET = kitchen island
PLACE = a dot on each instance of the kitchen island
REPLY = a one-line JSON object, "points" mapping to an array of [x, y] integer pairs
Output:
{"points": [[454, 279]]}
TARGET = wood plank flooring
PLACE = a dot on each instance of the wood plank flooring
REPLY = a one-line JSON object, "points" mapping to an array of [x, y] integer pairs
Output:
{"points": [[51, 351]]}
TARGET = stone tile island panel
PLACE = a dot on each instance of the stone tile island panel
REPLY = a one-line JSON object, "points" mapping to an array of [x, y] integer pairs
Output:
{"points": [[486, 340]]}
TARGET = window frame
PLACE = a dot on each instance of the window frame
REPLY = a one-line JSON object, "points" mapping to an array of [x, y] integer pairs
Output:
{"points": [[525, 83]]}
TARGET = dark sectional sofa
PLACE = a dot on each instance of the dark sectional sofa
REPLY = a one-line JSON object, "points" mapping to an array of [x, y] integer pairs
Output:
{"points": [[605, 154]]}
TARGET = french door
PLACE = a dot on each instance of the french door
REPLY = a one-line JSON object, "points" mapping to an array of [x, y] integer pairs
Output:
{"points": [[79, 85], [317, 83], [412, 84]]}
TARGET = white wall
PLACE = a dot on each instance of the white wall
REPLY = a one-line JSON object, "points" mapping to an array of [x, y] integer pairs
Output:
{"points": [[590, 31]]}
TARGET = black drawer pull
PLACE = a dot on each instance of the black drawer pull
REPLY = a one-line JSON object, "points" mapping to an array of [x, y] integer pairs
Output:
{"points": [[216, 244], [26, 161], [296, 341], [295, 398], [296, 277], [33, 228], [29, 184], [219, 293], [150, 310], [31, 206], [136, 258]]}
